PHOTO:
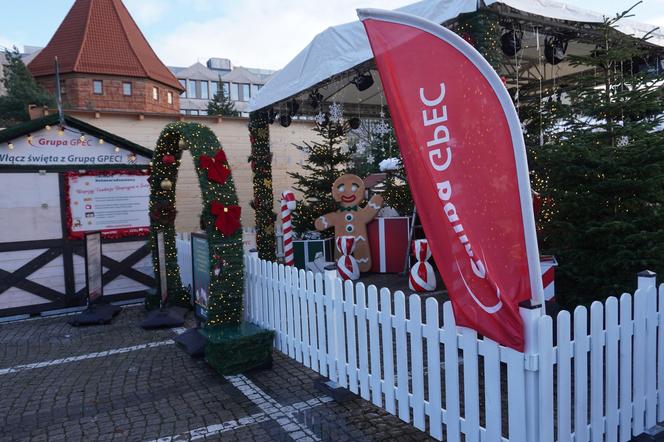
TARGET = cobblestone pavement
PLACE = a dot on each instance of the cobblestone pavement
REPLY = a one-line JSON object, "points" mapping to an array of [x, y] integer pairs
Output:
{"points": [[119, 382]]}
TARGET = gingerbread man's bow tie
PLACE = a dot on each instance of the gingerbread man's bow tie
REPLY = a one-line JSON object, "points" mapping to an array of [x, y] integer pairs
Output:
{"points": [[348, 209]]}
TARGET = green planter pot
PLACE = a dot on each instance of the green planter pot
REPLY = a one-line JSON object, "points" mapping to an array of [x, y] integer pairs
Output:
{"points": [[234, 349]]}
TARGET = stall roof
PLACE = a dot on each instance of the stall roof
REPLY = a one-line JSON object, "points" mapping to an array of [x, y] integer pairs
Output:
{"points": [[341, 48], [31, 126]]}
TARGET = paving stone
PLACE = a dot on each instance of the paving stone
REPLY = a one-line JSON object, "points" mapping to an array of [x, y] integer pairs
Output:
{"points": [[160, 392]]}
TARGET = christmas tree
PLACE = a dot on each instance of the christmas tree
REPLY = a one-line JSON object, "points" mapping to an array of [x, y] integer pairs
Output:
{"points": [[597, 157], [327, 159], [22, 90], [221, 104]]}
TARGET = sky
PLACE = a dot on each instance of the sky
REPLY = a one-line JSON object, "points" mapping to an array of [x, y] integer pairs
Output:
{"points": [[254, 33]]}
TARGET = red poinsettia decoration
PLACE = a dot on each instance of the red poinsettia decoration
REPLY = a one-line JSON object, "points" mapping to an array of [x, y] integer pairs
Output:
{"points": [[228, 218], [217, 167], [168, 159]]}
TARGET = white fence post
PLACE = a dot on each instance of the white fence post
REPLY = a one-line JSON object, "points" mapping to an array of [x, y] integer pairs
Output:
{"points": [[331, 329], [530, 314], [646, 279]]}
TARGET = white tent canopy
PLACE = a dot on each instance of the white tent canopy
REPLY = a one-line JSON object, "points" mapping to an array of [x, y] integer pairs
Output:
{"points": [[341, 48]]}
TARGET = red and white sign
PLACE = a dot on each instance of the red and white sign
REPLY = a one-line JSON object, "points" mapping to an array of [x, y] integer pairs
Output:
{"points": [[114, 203], [464, 155]]}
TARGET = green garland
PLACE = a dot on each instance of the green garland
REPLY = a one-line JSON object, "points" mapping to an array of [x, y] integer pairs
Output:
{"points": [[263, 203], [219, 201]]}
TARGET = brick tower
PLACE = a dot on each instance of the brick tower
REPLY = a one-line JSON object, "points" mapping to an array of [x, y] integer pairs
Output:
{"points": [[106, 64]]}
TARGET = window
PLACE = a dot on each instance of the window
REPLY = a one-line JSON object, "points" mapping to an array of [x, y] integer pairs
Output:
{"points": [[191, 89], [169, 97], [245, 93], [183, 112], [155, 93], [203, 112], [183, 83], [204, 90], [254, 90], [193, 112], [235, 92], [126, 89], [97, 87], [214, 88], [227, 89]]}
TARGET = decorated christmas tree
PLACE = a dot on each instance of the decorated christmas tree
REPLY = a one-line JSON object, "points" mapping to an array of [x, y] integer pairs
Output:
{"points": [[221, 104], [377, 151], [326, 159], [597, 158]]}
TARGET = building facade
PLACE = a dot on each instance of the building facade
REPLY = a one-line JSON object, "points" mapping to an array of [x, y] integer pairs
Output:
{"points": [[105, 63], [201, 82]]}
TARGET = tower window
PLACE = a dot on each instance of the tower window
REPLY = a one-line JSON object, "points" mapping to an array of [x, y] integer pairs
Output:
{"points": [[97, 87]]}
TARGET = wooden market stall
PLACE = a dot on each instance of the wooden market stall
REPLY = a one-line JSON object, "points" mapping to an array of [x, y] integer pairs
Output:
{"points": [[59, 180]]}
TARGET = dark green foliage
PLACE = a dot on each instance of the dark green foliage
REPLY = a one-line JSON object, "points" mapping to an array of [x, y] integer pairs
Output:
{"points": [[221, 104], [597, 154], [327, 159], [22, 90], [226, 290]]}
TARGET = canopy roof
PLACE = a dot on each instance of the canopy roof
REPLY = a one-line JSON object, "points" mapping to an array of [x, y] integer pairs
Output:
{"points": [[334, 55]]}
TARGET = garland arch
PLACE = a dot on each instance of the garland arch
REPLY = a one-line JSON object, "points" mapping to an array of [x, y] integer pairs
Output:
{"points": [[220, 218]]}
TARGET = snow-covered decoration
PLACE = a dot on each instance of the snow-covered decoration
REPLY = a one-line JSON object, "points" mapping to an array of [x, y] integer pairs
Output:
{"points": [[623, 141], [361, 146], [389, 164], [320, 118], [336, 112], [370, 158]]}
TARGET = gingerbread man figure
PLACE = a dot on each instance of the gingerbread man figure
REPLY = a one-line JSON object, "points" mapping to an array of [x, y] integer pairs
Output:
{"points": [[350, 219]]}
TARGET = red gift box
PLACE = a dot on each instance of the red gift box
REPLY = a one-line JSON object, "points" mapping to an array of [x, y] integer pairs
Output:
{"points": [[388, 241]]}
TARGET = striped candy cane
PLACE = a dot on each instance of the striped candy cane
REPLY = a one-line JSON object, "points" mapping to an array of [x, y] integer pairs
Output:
{"points": [[347, 265], [287, 206], [422, 277]]}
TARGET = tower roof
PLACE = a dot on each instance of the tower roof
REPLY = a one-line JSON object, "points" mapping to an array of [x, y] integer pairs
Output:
{"points": [[101, 37]]}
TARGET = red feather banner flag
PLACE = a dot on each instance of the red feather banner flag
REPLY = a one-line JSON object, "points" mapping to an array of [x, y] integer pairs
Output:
{"points": [[463, 150]]}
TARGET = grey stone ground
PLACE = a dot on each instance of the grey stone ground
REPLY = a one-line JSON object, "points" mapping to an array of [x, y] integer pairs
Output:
{"points": [[151, 389]]}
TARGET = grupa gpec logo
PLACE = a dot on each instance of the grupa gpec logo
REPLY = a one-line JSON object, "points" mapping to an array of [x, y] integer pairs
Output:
{"points": [[60, 141]]}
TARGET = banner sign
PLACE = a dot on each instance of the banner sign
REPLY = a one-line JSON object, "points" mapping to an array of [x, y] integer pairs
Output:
{"points": [[200, 256], [93, 266], [115, 203], [50, 148], [465, 159]]}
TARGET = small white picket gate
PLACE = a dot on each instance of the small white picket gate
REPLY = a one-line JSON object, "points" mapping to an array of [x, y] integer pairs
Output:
{"points": [[602, 384]]}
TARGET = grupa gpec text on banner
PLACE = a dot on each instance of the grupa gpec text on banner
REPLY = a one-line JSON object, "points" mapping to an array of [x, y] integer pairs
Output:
{"points": [[48, 148]]}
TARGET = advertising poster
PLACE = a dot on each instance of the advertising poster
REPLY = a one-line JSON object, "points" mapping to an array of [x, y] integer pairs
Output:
{"points": [[201, 272], [115, 204], [161, 254], [93, 267]]}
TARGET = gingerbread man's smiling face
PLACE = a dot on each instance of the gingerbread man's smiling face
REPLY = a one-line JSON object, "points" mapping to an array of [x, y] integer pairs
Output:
{"points": [[348, 190]]}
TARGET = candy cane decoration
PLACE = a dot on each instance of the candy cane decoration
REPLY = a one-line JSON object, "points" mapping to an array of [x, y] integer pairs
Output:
{"points": [[422, 277], [346, 264], [287, 206]]}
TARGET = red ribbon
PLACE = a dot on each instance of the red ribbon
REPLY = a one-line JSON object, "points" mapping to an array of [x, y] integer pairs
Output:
{"points": [[217, 167], [228, 218]]}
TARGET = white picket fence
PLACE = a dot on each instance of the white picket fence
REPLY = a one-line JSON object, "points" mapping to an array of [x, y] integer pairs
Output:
{"points": [[599, 384]]}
